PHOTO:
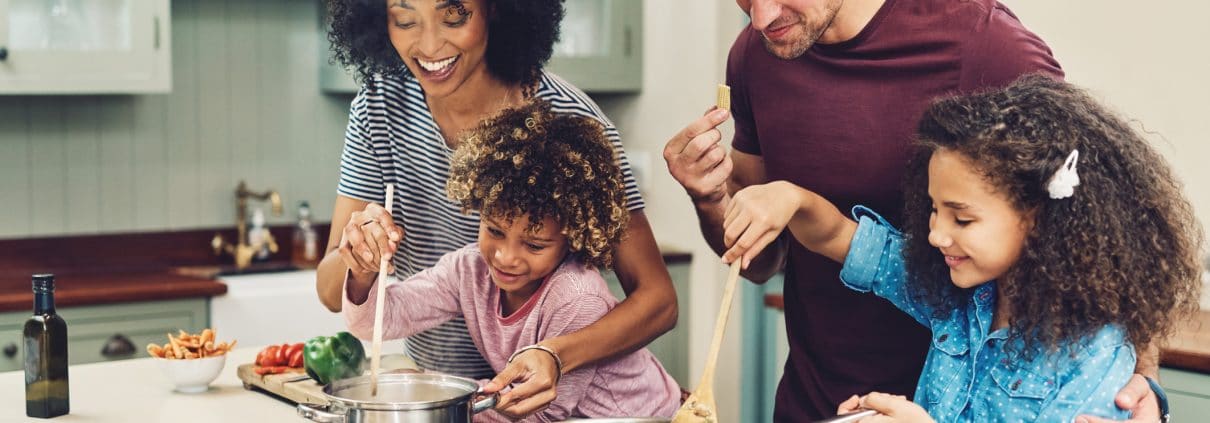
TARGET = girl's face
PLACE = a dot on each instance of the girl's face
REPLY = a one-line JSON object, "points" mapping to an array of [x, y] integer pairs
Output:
{"points": [[518, 259], [442, 42], [975, 227]]}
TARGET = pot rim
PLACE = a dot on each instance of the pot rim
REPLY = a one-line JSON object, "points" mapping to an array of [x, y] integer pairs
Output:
{"points": [[470, 386]]}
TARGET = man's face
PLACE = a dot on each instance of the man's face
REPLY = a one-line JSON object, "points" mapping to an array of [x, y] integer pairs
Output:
{"points": [[790, 27]]}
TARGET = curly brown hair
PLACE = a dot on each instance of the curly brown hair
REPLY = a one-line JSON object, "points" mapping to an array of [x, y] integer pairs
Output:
{"points": [[529, 160], [1122, 250], [521, 37]]}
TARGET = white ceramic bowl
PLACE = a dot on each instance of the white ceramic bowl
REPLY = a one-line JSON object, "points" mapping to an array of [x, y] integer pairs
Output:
{"points": [[194, 375]]}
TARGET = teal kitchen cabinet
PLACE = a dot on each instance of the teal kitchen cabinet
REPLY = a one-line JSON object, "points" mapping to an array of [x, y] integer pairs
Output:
{"points": [[600, 49], [765, 349], [672, 349], [1188, 394], [89, 328], [85, 47]]}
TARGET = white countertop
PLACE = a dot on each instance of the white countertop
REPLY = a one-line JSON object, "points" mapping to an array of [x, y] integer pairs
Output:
{"points": [[136, 390]]}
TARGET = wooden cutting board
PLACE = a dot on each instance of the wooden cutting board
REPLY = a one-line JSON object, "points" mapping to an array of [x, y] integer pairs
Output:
{"points": [[297, 387], [294, 387]]}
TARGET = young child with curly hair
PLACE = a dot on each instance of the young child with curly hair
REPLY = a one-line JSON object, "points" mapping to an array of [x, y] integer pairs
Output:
{"points": [[552, 211], [1044, 242]]}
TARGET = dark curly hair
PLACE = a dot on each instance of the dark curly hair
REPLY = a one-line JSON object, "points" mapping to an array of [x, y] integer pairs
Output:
{"points": [[1122, 250], [520, 38], [528, 160]]}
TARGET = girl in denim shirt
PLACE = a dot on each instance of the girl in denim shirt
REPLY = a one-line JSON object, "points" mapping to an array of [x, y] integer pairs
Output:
{"points": [[1044, 241]]}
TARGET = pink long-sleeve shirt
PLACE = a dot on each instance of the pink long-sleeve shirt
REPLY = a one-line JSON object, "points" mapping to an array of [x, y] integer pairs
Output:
{"points": [[572, 297]]}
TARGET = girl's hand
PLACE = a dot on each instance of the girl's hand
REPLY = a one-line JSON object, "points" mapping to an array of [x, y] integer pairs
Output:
{"points": [[850, 405], [534, 374], [891, 408], [755, 217], [369, 235]]}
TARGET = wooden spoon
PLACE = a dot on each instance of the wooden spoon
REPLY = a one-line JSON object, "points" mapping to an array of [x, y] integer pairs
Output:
{"points": [[376, 344], [700, 406]]}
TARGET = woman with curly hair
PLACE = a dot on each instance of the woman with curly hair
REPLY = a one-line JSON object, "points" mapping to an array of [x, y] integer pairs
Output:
{"points": [[1044, 243], [430, 69], [553, 212]]}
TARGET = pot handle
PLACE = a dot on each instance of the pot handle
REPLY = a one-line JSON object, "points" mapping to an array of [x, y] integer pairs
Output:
{"points": [[481, 405], [319, 413]]}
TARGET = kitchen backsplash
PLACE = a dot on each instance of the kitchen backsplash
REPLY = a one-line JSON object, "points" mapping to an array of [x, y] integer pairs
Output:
{"points": [[245, 105]]}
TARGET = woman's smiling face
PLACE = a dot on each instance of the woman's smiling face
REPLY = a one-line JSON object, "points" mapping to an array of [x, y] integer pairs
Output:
{"points": [[442, 42]]}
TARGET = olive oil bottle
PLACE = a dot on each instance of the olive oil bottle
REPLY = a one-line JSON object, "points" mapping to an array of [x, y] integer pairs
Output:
{"points": [[45, 354]]}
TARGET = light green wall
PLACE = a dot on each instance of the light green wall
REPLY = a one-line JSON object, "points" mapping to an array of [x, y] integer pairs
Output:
{"points": [[245, 104]]}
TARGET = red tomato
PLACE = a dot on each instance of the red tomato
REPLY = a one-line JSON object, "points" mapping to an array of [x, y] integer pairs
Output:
{"points": [[267, 356], [283, 355], [296, 360]]}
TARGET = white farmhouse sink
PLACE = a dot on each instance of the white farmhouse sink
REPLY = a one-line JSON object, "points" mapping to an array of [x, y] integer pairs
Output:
{"points": [[275, 308]]}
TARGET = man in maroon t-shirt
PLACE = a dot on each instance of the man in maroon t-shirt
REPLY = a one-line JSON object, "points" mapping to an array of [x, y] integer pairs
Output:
{"points": [[826, 95]]}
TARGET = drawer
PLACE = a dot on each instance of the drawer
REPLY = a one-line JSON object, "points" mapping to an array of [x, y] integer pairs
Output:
{"points": [[90, 327]]}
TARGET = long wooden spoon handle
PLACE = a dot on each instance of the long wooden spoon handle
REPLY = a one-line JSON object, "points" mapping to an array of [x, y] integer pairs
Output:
{"points": [[720, 326], [376, 344]]}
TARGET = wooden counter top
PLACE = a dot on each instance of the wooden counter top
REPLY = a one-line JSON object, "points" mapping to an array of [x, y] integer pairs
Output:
{"points": [[1189, 349], [16, 293], [149, 266]]}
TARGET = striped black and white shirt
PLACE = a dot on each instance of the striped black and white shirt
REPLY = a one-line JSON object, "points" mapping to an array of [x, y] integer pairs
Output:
{"points": [[392, 138]]}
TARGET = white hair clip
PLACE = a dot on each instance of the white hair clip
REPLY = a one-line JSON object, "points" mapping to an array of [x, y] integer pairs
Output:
{"points": [[1063, 183]]}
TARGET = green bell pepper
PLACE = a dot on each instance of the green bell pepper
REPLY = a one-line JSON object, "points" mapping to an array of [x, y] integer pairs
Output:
{"points": [[330, 358]]}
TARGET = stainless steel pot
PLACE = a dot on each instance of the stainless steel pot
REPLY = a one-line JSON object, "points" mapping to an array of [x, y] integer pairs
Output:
{"points": [[402, 397], [621, 420]]}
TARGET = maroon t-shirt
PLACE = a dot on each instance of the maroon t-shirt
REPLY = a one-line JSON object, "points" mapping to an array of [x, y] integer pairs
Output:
{"points": [[839, 121]]}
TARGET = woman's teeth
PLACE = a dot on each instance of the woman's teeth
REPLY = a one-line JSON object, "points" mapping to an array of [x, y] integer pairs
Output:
{"points": [[436, 66]]}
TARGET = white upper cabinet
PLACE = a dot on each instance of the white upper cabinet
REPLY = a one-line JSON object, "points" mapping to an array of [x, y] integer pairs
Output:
{"points": [[600, 49], [85, 47]]}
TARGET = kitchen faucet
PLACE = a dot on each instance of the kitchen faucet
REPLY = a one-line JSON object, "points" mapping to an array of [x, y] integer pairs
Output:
{"points": [[242, 250]]}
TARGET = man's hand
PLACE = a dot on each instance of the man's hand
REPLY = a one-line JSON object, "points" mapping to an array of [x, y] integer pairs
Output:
{"points": [[890, 408], [534, 374], [1135, 397], [696, 159], [755, 216]]}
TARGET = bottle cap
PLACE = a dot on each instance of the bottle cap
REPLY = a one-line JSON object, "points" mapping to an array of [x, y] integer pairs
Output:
{"points": [[44, 282]]}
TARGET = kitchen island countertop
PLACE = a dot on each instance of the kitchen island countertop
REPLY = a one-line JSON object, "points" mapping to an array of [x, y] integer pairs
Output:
{"points": [[137, 390]]}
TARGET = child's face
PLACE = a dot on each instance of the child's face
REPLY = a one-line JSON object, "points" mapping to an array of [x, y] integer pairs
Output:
{"points": [[518, 258], [977, 229]]}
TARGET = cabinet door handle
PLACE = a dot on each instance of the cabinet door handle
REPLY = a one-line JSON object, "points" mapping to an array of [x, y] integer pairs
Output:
{"points": [[3, 56], [117, 346], [10, 350], [626, 39]]}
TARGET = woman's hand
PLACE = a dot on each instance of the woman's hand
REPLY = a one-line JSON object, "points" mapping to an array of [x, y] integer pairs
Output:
{"points": [[369, 235], [755, 217], [534, 374], [890, 408]]}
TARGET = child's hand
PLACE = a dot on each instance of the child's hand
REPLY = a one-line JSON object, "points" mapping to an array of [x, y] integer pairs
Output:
{"points": [[369, 235], [891, 408], [755, 217], [850, 405]]}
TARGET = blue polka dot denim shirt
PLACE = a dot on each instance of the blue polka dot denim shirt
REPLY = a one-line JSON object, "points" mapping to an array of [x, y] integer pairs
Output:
{"points": [[967, 376]]}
